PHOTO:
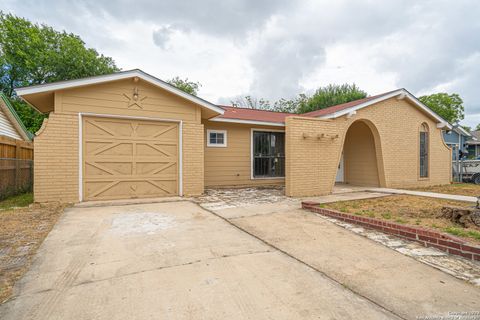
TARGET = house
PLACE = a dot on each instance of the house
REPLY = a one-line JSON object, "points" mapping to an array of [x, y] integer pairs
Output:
{"points": [[131, 135], [10, 124], [473, 144], [456, 139]]}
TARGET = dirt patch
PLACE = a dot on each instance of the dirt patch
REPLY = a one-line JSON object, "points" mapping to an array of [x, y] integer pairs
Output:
{"points": [[409, 210], [464, 189], [21, 233]]}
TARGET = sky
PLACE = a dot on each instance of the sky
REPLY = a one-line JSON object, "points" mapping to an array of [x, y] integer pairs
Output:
{"points": [[275, 49]]}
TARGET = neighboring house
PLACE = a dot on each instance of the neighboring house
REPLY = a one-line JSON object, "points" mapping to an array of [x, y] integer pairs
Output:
{"points": [[456, 139], [131, 135], [10, 124], [473, 144]]}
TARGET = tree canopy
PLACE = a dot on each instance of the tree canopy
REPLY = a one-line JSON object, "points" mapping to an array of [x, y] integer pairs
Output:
{"points": [[448, 106], [185, 85], [323, 97], [35, 54], [331, 95]]}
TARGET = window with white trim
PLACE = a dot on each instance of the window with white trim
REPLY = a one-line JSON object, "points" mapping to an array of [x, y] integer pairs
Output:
{"points": [[216, 138]]}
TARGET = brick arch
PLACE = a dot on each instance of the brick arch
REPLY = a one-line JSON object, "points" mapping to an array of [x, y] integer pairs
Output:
{"points": [[363, 154]]}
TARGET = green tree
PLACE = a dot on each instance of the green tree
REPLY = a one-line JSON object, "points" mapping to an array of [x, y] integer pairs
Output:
{"points": [[33, 54], [467, 128], [447, 106], [185, 85], [477, 127], [331, 95]]}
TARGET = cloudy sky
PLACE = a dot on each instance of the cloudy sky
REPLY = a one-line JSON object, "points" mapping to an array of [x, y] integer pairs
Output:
{"points": [[277, 48]]}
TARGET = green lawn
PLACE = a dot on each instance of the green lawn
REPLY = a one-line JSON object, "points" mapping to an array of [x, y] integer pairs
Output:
{"points": [[21, 200]]}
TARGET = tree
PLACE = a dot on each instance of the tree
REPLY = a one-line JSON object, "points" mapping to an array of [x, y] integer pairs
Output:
{"points": [[447, 106], [251, 103], [33, 54], [467, 128], [477, 127], [185, 85], [331, 95]]}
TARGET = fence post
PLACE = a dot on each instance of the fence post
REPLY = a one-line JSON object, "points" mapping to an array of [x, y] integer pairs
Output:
{"points": [[18, 149]]}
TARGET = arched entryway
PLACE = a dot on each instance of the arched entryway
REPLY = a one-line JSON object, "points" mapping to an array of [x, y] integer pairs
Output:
{"points": [[360, 164]]}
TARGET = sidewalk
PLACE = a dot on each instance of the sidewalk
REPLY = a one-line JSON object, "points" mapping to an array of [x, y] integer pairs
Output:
{"points": [[424, 194]]}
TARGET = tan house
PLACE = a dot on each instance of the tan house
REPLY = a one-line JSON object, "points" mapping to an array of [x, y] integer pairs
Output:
{"points": [[131, 135]]}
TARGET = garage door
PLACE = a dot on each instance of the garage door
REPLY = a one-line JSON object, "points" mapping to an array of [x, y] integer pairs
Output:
{"points": [[124, 158]]}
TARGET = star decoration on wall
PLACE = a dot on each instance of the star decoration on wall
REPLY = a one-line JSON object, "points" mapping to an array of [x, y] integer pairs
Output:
{"points": [[134, 100]]}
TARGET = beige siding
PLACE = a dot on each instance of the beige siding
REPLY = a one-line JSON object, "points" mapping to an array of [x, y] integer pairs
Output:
{"points": [[231, 165], [7, 128], [115, 98]]}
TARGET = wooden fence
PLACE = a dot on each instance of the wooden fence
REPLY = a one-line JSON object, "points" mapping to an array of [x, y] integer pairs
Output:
{"points": [[16, 166]]}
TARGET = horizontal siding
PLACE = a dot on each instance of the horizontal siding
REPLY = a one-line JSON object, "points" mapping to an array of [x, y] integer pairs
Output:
{"points": [[113, 98], [7, 128], [231, 166]]}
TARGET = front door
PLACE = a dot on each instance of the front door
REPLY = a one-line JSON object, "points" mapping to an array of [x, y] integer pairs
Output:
{"points": [[268, 154]]}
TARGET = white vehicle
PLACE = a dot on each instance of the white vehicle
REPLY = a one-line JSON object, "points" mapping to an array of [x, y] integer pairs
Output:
{"points": [[467, 170]]}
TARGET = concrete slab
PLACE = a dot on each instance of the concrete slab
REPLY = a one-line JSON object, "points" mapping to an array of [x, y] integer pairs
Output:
{"points": [[397, 282], [172, 260]]}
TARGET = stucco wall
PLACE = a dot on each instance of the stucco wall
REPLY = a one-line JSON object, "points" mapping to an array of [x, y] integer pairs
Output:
{"points": [[56, 147], [396, 126], [231, 165]]}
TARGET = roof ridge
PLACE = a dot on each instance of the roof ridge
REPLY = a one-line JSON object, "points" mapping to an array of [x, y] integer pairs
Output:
{"points": [[254, 109]]}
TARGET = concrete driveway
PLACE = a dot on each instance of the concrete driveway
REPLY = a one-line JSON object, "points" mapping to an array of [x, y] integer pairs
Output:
{"points": [[176, 260], [398, 283]]}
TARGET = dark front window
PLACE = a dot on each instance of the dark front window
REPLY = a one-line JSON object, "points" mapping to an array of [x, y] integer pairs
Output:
{"points": [[268, 154], [423, 154]]}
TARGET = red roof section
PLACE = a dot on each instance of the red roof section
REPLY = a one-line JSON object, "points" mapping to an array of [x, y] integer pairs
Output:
{"points": [[343, 106], [237, 113], [254, 114]]}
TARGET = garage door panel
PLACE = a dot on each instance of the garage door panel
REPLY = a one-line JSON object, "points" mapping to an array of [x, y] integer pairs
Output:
{"points": [[129, 158], [108, 168], [107, 190]]}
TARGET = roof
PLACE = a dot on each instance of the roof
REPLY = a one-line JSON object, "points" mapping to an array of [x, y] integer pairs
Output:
{"points": [[353, 106], [343, 106], [14, 118], [255, 116], [462, 131], [252, 116], [60, 85]]}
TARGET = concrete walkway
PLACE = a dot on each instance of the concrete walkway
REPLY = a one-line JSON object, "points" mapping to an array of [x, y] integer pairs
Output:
{"points": [[399, 284], [424, 194]]}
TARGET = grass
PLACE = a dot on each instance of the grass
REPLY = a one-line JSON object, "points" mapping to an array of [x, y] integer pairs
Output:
{"points": [[21, 200], [464, 189], [460, 232], [409, 210]]}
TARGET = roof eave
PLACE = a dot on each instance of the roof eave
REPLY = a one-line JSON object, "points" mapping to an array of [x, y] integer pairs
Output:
{"points": [[441, 123], [113, 77], [243, 121]]}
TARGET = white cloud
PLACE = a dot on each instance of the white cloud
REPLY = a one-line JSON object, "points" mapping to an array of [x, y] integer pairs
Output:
{"points": [[275, 49]]}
